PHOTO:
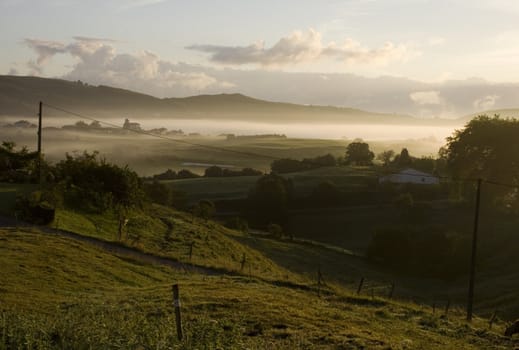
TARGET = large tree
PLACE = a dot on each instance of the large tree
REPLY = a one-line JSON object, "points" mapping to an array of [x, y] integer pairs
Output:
{"points": [[486, 148], [359, 153]]}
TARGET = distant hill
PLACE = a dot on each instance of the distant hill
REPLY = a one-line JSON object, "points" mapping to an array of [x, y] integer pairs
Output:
{"points": [[19, 96]]}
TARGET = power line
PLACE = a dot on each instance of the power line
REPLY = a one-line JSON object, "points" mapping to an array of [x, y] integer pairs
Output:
{"points": [[143, 132]]}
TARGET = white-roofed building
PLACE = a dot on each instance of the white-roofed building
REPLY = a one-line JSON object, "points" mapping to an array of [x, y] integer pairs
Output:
{"points": [[410, 176]]}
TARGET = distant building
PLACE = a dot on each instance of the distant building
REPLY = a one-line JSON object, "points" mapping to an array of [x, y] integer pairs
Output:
{"points": [[410, 176], [131, 126]]}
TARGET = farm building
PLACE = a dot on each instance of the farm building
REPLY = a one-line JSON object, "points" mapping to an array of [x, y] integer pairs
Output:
{"points": [[410, 176]]}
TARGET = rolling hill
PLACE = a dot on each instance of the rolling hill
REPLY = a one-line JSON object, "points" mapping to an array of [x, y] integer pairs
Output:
{"points": [[19, 96]]}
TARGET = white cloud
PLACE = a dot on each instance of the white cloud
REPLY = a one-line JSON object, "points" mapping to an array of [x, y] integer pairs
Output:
{"points": [[486, 102], [99, 63], [299, 47], [426, 97]]}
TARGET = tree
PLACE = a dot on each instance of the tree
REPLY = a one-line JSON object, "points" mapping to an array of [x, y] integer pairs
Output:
{"points": [[213, 171], [487, 148], [358, 153], [403, 159], [17, 165], [326, 194], [386, 157], [268, 200], [98, 185]]}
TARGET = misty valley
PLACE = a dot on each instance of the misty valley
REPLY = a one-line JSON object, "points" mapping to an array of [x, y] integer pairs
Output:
{"points": [[281, 226]]}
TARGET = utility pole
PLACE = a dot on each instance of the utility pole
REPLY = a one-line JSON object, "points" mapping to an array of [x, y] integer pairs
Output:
{"points": [[473, 258], [39, 141]]}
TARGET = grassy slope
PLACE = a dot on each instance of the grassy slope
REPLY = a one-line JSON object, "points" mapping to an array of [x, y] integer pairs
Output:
{"points": [[57, 292]]}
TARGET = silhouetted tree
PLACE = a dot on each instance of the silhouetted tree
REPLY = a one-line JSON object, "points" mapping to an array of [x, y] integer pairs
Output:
{"points": [[386, 157], [268, 200], [487, 148], [358, 153]]}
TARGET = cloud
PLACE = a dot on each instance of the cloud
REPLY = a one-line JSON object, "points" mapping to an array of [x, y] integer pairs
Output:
{"points": [[486, 102], [45, 49], [426, 97], [299, 47], [98, 62], [13, 71]]}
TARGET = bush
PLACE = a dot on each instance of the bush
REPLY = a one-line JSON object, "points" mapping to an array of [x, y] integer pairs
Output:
{"points": [[428, 253], [35, 209], [95, 184]]}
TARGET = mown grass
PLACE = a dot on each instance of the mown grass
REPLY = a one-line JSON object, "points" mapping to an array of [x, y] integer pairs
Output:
{"points": [[59, 293]]}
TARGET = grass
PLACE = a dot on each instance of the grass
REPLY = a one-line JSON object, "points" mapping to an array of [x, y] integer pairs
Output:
{"points": [[60, 293], [169, 233], [346, 179]]}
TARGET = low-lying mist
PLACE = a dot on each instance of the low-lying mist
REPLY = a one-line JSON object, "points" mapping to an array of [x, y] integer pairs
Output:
{"points": [[150, 155]]}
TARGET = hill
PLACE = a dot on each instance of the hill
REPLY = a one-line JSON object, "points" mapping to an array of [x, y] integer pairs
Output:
{"points": [[60, 293], [19, 97]]}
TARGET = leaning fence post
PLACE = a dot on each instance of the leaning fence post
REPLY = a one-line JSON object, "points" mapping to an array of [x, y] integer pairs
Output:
{"points": [[492, 319], [178, 318], [359, 289]]}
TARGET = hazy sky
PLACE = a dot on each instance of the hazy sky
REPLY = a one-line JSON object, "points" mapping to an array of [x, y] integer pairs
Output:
{"points": [[178, 48]]}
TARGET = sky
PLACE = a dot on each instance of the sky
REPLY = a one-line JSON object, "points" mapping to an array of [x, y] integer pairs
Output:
{"points": [[422, 57]]}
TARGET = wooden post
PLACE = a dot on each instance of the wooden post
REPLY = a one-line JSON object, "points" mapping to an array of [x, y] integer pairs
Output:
{"points": [[470, 300], [191, 250], [178, 317], [447, 306], [243, 261], [319, 281], [391, 290], [359, 289], [40, 113], [492, 319]]}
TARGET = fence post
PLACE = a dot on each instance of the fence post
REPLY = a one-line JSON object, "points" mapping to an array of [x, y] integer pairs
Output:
{"points": [[178, 317], [359, 289], [492, 319], [447, 306], [319, 281], [243, 261], [391, 290], [191, 250]]}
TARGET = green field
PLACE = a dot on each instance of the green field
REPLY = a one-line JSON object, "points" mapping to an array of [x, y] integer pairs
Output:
{"points": [[60, 293]]}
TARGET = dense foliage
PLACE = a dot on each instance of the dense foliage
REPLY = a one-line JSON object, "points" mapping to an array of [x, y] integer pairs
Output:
{"points": [[287, 165], [268, 200], [487, 148], [426, 253], [95, 184], [358, 153], [216, 171], [17, 165]]}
